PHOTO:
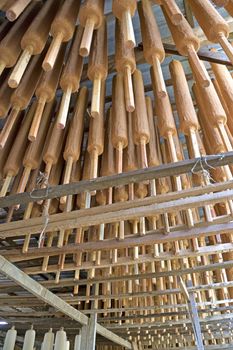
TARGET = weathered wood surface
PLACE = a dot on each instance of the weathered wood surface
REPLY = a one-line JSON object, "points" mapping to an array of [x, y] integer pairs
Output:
{"points": [[113, 213], [164, 170], [19, 277]]}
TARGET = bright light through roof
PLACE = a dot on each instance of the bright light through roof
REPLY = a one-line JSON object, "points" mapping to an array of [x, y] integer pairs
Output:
{"points": [[3, 322]]}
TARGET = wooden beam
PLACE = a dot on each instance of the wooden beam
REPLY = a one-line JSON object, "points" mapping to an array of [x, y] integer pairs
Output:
{"points": [[73, 300], [207, 347], [91, 332], [19, 277], [15, 255], [204, 54], [10, 287], [84, 332], [111, 213], [164, 170], [184, 289], [152, 325]]}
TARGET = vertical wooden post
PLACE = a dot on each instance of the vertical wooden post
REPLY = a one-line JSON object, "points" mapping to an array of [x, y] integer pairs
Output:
{"points": [[192, 307], [91, 332], [84, 332]]}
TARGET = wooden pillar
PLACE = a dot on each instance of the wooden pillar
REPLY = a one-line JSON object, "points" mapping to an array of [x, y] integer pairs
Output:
{"points": [[88, 334], [83, 338], [91, 332], [77, 343]]}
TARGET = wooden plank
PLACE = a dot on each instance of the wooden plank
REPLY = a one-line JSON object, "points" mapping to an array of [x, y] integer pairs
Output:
{"points": [[84, 333], [91, 332], [120, 179], [149, 239], [73, 300], [16, 255], [152, 308], [8, 287], [184, 289], [206, 320], [18, 276], [111, 213]]}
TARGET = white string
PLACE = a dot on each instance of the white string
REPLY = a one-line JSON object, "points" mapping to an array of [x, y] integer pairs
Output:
{"points": [[203, 162], [46, 217], [41, 182]]}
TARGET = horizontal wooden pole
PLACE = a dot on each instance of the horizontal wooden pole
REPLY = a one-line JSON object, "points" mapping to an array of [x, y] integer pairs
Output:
{"points": [[120, 179], [10, 287], [113, 213], [75, 300], [215, 318], [16, 255]]}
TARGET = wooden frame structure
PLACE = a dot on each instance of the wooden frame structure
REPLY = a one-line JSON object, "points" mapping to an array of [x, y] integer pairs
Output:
{"points": [[154, 316]]}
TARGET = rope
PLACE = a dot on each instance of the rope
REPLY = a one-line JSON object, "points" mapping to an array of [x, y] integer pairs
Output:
{"points": [[46, 217], [204, 164], [42, 181]]}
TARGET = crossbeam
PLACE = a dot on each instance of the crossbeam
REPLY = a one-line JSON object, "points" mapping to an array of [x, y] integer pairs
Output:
{"points": [[112, 213], [170, 169]]}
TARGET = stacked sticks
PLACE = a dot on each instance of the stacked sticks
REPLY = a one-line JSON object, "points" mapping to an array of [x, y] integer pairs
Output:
{"points": [[48, 141]]}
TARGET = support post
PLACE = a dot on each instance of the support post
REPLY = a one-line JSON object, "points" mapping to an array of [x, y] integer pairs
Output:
{"points": [[192, 308], [84, 333], [91, 332]]}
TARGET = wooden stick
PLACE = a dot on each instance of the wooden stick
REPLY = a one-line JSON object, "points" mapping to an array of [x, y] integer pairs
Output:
{"points": [[196, 153], [128, 87], [85, 46], [127, 28], [119, 158], [226, 45], [220, 3], [158, 76], [16, 9], [27, 215], [172, 11], [121, 235], [143, 155], [67, 175], [171, 145], [20, 67], [94, 164], [11, 119], [48, 169], [64, 108], [2, 67], [37, 119], [24, 180], [224, 137], [201, 73], [6, 185], [194, 143], [46, 258], [96, 93], [52, 53]]}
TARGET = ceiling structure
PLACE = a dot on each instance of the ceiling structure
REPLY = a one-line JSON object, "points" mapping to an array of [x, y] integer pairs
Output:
{"points": [[149, 305]]}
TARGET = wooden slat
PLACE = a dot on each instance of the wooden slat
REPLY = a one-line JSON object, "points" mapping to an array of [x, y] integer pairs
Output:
{"points": [[164, 170], [112, 213]]}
